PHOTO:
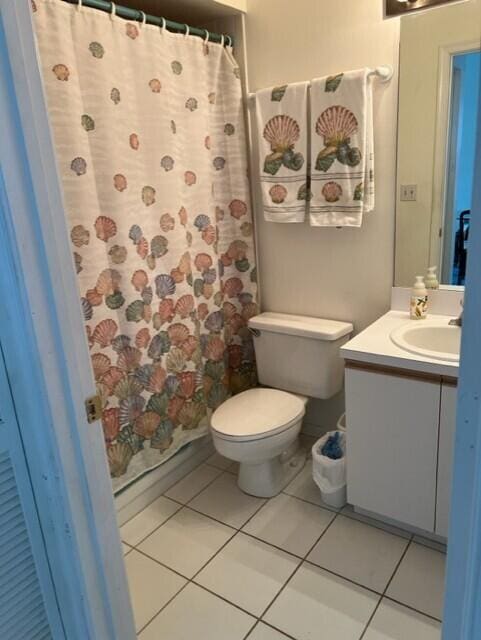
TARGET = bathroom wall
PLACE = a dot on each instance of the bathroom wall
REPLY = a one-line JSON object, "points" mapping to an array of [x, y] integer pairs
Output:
{"points": [[341, 274]]}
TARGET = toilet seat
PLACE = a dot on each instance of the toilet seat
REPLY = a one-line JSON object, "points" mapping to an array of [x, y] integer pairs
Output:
{"points": [[256, 414]]}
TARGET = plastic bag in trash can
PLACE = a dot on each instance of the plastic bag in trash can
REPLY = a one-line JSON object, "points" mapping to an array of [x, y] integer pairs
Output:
{"points": [[329, 475]]}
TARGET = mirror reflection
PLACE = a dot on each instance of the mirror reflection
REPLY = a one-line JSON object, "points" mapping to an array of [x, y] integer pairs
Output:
{"points": [[438, 114]]}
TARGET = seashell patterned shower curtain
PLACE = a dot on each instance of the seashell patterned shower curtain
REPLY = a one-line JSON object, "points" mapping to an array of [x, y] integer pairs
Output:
{"points": [[148, 127]]}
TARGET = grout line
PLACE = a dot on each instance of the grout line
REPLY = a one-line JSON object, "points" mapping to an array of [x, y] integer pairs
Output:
{"points": [[221, 472], [385, 589], [161, 609], [256, 623], [134, 546], [233, 604], [181, 505], [407, 606], [339, 575], [296, 569], [321, 506], [271, 626], [303, 560], [228, 470]]}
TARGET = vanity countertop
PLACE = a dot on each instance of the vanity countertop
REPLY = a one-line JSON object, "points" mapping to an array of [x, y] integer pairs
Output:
{"points": [[374, 346]]}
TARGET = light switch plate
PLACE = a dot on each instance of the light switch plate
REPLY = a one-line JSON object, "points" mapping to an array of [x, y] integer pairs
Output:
{"points": [[409, 192]]}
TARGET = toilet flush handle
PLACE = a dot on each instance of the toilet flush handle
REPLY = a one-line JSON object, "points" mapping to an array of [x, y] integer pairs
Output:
{"points": [[255, 332]]}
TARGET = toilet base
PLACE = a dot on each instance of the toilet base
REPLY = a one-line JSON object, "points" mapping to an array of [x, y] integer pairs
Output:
{"points": [[267, 479]]}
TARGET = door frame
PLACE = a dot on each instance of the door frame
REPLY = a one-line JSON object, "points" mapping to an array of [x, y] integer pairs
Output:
{"points": [[441, 145], [462, 612], [47, 358]]}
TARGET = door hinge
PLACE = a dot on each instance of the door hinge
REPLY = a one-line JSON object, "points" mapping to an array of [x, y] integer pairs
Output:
{"points": [[93, 408]]}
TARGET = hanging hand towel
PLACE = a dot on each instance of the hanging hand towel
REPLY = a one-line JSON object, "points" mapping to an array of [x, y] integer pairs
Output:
{"points": [[282, 134], [342, 149]]}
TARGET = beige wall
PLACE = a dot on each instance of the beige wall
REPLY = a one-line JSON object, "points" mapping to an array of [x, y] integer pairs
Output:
{"points": [[342, 274], [422, 38]]}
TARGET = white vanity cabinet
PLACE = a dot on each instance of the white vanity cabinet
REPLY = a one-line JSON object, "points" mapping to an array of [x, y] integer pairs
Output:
{"points": [[400, 430]]}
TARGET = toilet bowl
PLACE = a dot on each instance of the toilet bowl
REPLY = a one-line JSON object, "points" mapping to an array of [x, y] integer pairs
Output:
{"points": [[259, 429]]}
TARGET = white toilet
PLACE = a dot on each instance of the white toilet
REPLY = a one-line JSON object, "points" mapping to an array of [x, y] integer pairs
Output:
{"points": [[297, 356]]}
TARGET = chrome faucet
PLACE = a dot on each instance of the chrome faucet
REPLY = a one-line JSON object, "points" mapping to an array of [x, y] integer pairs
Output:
{"points": [[458, 322]]}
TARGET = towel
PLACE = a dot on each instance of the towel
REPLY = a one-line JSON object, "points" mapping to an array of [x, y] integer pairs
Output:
{"points": [[282, 135], [342, 149]]}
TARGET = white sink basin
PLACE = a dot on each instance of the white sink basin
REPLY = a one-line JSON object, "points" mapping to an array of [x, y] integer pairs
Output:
{"points": [[429, 338]]}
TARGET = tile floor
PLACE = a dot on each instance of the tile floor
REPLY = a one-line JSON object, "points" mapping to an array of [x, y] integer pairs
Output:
{"points": [[206, 561]]}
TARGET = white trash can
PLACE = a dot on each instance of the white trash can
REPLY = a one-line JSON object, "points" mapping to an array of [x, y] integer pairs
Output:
{"points": [[328, 474]]}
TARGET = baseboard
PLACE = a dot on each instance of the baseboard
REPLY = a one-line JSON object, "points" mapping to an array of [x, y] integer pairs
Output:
{"points": [[145, 490], [427, 535], [314, 430]]}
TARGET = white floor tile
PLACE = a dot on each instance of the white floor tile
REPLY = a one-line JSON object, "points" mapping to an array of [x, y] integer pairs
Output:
{"points": [[195, 613], [304, 487], [224, 501], [289, 523], [151, 586], [141, 525], [263, 632], [248, 573], [419, 581], [187, 541], [216, 460], [357, 551], [192, 483], [316, 604], [395, 622]]}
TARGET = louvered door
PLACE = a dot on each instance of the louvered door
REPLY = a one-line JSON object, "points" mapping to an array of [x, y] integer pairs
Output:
{"points": [[28, 608]]}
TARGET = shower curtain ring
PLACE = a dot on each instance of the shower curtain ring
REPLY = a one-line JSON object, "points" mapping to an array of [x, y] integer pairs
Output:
{"points": [[229, 41], [207, 36], [163, 25], [222, 40], [113, 11], [79, 5], [187, 29], [144, 18]]}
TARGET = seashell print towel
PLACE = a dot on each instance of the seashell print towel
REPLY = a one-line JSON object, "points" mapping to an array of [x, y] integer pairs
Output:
{"points": [[342, 149], [282, 134]]}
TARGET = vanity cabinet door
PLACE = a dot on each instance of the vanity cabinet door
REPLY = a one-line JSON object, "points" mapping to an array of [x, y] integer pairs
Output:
{"points": [[392, 442], [447, 429]]}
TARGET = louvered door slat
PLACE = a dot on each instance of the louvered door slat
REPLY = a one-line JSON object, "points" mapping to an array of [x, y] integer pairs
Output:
{"points": [[23, 628], [10, 547], [22, 607], [10, 619]]}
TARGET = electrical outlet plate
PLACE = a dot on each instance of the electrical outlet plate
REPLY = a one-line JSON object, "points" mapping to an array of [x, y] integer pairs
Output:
{"points": [[409, 192]]}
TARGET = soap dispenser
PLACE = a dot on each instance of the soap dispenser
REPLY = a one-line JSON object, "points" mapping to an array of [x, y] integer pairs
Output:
{"points": [[419, 299], [432, 279]]}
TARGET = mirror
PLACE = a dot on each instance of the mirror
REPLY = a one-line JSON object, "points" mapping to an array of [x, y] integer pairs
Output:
{"points": [[440, 66]]}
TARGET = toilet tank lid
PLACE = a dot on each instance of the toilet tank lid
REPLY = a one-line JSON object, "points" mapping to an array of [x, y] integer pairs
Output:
{"points": [[305, 326]]}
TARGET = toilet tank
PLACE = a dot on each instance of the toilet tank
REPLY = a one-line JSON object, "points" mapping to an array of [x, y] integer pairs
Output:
{"points": [[299, 353]]}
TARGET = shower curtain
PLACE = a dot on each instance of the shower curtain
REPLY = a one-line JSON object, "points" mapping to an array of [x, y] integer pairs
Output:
{"points": [[151, 149]]}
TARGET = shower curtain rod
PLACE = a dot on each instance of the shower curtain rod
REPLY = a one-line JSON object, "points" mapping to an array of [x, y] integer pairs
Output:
{"points": [[140, 16]]}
